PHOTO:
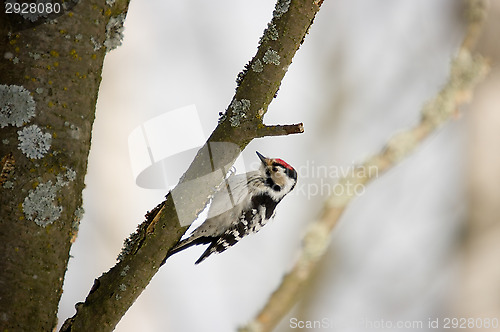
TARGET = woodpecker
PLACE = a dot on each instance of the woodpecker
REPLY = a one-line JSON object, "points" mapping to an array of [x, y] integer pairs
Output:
{"points": [[242, 206]]}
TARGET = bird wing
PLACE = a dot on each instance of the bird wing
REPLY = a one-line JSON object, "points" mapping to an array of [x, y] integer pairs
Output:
{"points": [[232, 192]]}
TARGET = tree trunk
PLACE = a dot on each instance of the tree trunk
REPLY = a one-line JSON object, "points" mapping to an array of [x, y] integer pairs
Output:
{"points": [[50, 71]]}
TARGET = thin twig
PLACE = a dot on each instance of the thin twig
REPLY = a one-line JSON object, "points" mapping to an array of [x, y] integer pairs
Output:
{"points": [[279, 130]]}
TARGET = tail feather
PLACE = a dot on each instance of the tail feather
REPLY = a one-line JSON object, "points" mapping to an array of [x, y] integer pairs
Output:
{"points": [[210, 250], [217, 245], [186, 243]]}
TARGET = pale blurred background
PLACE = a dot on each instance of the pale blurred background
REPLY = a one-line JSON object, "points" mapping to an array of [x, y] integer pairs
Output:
{"points": [[421, 243]]}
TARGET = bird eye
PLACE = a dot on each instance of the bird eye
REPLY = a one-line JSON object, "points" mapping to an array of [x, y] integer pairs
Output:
{"points": [[275, 169]]}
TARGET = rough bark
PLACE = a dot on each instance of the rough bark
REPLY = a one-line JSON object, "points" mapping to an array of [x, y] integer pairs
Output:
{"points": [[50, 71]]}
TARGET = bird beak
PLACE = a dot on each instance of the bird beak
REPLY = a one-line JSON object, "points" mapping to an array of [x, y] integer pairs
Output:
{"points": [[262, 158]]}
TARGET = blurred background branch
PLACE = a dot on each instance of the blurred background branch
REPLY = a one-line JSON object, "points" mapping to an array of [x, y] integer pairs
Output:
{"points": [[478, 286], [466, 71]]}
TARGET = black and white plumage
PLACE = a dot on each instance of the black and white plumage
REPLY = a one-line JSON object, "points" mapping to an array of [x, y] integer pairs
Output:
{"points": [[242, 206]]}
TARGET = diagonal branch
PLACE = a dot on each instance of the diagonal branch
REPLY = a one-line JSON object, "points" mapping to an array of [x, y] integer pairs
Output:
{"points": [[116, 290], [465, 72]]}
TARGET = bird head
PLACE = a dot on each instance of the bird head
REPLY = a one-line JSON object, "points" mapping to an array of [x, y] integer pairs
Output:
{"points": [[279, 175]]}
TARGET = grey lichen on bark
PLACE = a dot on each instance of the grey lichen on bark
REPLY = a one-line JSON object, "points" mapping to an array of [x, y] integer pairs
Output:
{"points": [[50, 71]]}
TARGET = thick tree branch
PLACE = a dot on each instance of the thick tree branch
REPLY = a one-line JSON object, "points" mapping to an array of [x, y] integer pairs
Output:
{"points": [[115, 291], [466, 71]]}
